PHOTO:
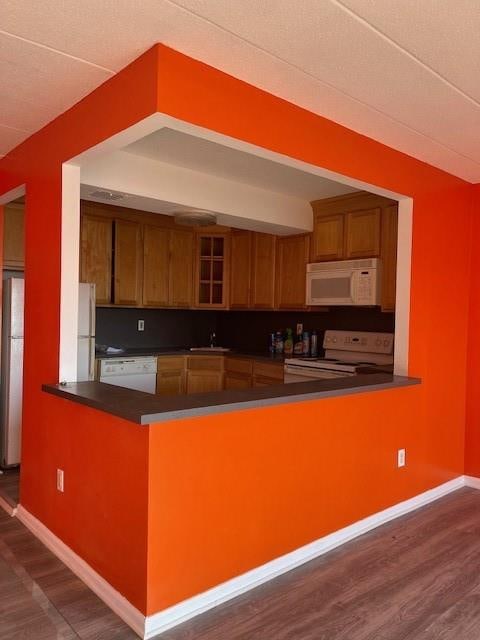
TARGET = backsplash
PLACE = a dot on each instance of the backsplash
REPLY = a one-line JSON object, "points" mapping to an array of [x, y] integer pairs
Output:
{"points": [[246, 330], [243, 330], [163, 327]]}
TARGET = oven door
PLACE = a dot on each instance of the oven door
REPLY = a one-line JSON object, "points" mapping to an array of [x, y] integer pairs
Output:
{"points": [[301, 373], [332, 287]]}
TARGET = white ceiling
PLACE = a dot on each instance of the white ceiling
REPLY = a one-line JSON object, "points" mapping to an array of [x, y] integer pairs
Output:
{"points": [[405, 72], [191, 152]]}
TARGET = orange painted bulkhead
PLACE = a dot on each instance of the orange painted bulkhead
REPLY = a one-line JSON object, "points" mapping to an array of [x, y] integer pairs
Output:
{"points": [[230, 492]]}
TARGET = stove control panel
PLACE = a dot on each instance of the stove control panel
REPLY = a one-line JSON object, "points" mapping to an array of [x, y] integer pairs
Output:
{"points": [[362, 341]]}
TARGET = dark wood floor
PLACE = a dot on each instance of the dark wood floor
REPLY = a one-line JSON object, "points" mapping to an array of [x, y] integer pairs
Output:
{"points": [[40, 599], [417, 578], [9, 486]]}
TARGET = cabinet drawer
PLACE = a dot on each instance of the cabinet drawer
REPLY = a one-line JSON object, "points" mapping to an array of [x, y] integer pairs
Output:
{"points": [[205, 363], [170, 363], [268, 370], [239, 365]]}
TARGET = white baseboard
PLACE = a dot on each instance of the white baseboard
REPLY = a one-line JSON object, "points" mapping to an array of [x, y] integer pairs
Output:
{"points": [[148, 627], [471, 481], [6, 506], [112, 598], [168, 618]]}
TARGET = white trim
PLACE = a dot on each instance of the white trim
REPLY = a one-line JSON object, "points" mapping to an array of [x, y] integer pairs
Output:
{"points": [[471, 481], [157, 121], [120, 605], [70, 251], [404, 274], [160, 622], [6, 506]]}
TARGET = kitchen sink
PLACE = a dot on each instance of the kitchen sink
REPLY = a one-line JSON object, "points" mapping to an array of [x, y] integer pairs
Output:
{"points": [[212, 349]]}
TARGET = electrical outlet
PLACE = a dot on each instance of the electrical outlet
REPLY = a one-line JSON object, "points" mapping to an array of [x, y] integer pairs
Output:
{"points": [[401, 458], [141, 325], [60, 485]]}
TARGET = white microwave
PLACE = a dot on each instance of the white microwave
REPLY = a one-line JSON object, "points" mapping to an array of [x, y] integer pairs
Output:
{"points": [[346, 282]]}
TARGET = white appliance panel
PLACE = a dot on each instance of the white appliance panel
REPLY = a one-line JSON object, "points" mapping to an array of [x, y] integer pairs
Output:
{"points": [[344, 283], [12, 372], [132, 373], [85, 359], [139, 382], [86, 309]]}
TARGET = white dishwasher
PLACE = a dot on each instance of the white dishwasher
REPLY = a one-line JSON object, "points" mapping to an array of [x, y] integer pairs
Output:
{"points": [[131, 373]]}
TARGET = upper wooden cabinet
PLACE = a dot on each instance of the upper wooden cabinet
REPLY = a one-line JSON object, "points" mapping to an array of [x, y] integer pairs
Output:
{"points": [[167, 267], [347, 227], [291, 265], [156, 265], [182, 249], [14, 236], [96, 255], [362, 233], [240, 269], [389, 256], [262, 295], [128, 263], [327, 237], [211, 270]]}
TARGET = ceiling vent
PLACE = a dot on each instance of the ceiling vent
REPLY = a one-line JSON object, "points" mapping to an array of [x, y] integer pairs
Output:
{"points": [[107, 195], [195, 217]]}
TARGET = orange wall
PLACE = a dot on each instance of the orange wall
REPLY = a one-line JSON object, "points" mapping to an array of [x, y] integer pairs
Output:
{"points": [[472, 433], [203, 524], [94, 516], [226, 493]]}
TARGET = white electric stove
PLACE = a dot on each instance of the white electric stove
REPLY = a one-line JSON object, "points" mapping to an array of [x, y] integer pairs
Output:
{"points": [[345, 353]]}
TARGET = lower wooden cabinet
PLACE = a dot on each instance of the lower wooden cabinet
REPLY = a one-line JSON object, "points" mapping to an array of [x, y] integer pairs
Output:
{"points": [[267, 373], [204, 373], [171, 376], [177, 375]]}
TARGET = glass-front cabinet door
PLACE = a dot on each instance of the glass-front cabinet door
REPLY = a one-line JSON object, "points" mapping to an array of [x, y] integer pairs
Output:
{"points": [[211, 288]]}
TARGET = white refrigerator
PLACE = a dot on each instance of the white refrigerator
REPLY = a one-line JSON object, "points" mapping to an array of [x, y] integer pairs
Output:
{"points": [[11, 392], [11, 372], [86, 332]]}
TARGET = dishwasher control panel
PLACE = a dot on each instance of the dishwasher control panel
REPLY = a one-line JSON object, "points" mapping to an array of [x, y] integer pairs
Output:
{"points": [[127, 366]]}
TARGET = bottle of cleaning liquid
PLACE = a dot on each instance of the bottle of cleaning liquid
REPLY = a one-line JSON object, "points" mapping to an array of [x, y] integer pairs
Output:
{"points": [[306, 343], [288, 347], [314, 344], [298, 346], [278, 342]]}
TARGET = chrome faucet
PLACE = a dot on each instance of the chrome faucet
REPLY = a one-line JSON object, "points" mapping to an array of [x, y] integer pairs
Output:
{"points": [[213, 339]]}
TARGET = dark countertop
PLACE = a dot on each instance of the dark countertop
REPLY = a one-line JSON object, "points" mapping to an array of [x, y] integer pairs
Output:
{"points": [[145, 408]]}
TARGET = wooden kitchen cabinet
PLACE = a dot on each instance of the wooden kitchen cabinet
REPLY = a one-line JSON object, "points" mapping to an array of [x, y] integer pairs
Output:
{"points": [[240, 268], [14, 236], [291, 265], [156, 266], [212, 270], [204, 373], [389, 256], [238, 373], [182, 247], [96, 255], [171, 375], [262, 295], [267, 373], [128, 261], [362, 233], [327, 237]]}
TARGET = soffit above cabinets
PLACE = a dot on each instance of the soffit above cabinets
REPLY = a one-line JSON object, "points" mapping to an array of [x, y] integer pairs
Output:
{"points": [[403, 73], [191, 152]]}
